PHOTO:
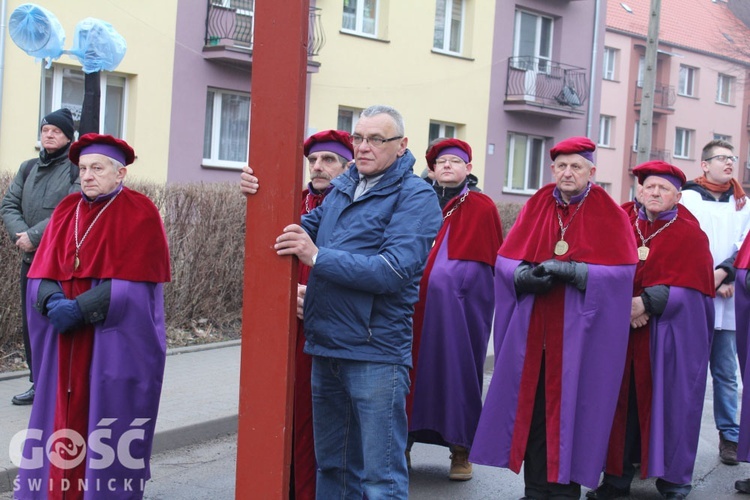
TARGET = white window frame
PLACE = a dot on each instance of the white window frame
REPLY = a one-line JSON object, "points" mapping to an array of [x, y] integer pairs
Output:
{"points": [[359, 20], [355, 112], [687, 79], [58, 71], [508, 182], [606, 129], [641, 69], [724, 89], [446, 29], [543, 60], [609, 64], [213, 159], [443, 130], [683, 142]]}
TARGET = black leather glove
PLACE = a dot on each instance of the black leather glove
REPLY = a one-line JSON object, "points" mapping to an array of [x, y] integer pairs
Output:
{"points": [[526, 282], [576, 273], [655, 299]]}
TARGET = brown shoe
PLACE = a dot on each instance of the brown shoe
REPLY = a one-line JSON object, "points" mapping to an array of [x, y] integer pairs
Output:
{"points": [[727, 451], [460, 466]]}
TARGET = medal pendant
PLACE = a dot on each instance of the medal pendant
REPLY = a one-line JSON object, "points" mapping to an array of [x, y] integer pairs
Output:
{"points": [[643, 252], [76, 263], [561, 247]]}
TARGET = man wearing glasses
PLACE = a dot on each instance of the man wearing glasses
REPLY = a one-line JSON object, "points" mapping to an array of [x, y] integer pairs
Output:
{"points": [[720, 205], [367, 245]]}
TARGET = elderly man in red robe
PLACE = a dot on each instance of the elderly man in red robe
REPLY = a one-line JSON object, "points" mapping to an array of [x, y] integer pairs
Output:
{"points": [[563, 283], [453, 319], [661, 396], [98, 334], [328, 154]]}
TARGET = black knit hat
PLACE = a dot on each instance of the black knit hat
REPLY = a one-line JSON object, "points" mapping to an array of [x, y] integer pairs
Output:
{"points": [[62, 119]]}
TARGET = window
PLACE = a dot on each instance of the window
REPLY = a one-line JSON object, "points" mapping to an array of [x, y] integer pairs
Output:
{"points": [[605, 130], [532, 43], [636, 134], [688, 78], [607, 186], [242, 29], [449, 20], [610, 61], [722, 137], [438, 129], [361, 17], [683, 143], [525, 163], [62, 87], [227, 127], [348, 119], [641, 69], [724, 89]]}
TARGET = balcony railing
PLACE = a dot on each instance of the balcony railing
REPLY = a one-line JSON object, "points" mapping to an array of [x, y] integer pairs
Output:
{"points": [[654, 154], [664, 96], [231, 23], [545, 82]]}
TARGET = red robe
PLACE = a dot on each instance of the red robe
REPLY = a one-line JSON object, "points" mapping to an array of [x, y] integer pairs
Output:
{"points": [[667, 264], [304, 467]]}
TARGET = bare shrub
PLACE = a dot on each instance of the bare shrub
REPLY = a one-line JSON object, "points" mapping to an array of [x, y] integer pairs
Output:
{"points": [[10, 293], [508, 214]]}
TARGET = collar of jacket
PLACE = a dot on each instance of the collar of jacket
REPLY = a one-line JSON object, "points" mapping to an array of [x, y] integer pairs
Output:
{"points": [[403, 166]]}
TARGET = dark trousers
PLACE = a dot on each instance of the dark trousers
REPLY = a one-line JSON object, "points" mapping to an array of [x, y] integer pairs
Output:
{"points": [[24, 321], [535, 460]]}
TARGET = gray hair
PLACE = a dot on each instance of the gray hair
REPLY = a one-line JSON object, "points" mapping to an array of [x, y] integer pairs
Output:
{"points": [[380, 109]]}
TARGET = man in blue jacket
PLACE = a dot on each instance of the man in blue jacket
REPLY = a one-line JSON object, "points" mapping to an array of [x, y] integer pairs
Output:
{"points": [[367, 245]]}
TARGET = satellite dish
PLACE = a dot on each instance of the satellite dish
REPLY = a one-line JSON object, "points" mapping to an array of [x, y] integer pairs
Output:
{"points": [[36, 31]]}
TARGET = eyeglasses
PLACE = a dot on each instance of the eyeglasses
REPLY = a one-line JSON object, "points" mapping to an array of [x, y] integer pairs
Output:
{"points": [[453, 161], [723, 158], [373, 141]]}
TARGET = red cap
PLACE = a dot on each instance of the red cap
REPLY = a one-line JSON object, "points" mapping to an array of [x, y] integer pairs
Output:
{"points": [[102, 144], [336, 141], [662, 169], [455, 146], [574, 145]]}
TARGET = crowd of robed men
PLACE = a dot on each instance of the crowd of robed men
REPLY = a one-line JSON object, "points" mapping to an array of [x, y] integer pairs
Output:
{"points": [[604, 321], [604, 324]]}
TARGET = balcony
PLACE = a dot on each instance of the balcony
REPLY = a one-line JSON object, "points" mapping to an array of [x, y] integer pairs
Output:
{"points": [[543, 87], [664, 98], [230, 29], [654, 154]]}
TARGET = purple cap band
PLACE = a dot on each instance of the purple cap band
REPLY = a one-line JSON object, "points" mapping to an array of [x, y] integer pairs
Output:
{"points": [[453, 150], [333, 147], [676, 182], [589, 155], [105, 149]]}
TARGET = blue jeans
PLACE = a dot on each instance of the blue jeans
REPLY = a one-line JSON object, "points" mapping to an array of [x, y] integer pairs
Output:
{"points": [[724, 374], [359, 423]]}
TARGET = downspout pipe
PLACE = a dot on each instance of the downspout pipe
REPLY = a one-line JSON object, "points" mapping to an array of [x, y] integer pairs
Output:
{"points": [[594, 71]]}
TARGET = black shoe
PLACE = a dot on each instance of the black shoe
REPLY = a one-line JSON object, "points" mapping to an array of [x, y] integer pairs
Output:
{"points": [[727, 451], [675, 496], [25, 398], [742, 485], [606, 491]]}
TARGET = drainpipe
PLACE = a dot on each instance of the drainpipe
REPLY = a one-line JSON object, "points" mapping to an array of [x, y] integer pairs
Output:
{"points": [[594, 70]]}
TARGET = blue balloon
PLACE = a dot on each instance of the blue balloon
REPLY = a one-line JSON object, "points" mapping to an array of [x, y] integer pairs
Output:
{"points": [[97, 45], [37, 32]]}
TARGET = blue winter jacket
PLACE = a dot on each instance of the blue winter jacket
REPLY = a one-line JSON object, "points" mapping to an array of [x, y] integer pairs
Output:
{"points": [[362, 290]]}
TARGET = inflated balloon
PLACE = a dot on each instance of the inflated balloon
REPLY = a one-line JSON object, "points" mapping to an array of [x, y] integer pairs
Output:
{"points": [[97, 45], [37, 32]]}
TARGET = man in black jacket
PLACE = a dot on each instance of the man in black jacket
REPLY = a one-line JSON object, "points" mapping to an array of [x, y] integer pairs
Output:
{"points": [[36, 190]]}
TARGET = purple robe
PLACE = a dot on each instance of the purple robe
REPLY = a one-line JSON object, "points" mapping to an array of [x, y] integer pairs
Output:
{"points": [[680, 344], [595, 336], [742, 315], [455, 332], [126, 373]]}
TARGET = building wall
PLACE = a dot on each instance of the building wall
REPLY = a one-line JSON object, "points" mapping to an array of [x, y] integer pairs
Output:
{"points": [[573, 44], [401, 69], [149, 30]]}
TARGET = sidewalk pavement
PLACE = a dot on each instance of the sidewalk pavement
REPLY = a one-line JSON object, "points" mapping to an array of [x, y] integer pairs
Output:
{"points": [[199, 401]]}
